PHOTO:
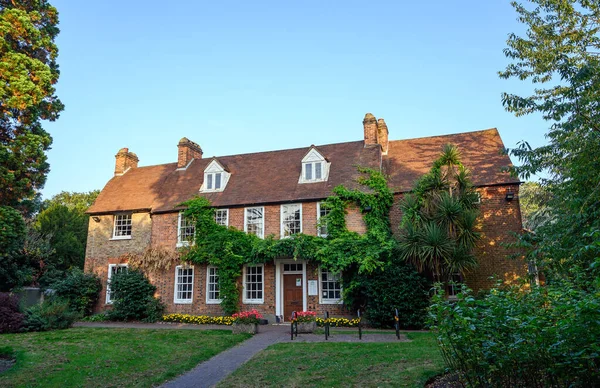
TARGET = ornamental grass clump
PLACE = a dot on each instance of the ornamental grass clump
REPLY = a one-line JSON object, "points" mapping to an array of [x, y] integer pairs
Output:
{"points": [[247, 317]]}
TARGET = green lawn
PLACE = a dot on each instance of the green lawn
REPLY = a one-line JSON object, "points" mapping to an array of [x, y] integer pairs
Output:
{"points": [[109, 357], [407, 364]]}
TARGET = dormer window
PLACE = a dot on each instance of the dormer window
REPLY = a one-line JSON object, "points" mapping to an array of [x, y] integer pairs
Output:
{"points": [[315, 168], [215, 177]]}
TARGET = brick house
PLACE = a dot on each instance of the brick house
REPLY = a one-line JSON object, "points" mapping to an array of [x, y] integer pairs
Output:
{"points": [[138, 209]]}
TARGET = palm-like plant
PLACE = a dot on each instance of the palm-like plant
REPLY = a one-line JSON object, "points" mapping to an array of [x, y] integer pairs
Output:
{"points": [[439, 219]]}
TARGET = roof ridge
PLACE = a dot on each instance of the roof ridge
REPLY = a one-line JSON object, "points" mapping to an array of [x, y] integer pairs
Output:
{"points": [[449, 134], [285, 149]]}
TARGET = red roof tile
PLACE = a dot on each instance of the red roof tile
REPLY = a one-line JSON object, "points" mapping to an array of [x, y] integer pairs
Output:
{"points": [[271, 177], [481, 151]]}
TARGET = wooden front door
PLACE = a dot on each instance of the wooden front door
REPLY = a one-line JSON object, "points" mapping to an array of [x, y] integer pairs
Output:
{"points": [[292, 295]]}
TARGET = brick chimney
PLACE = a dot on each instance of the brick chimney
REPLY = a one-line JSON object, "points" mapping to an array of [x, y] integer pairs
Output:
{"points": [[382, 135], [370, 127], [124, 161], [186, 151]]}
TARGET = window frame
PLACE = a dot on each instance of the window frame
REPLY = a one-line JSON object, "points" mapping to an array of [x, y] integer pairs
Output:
{"points": [[208, 283], [122, 237], [319, 227], [247, 300], [281, 220], [313, 171], [110, 267], [183, 301], [226, 216], [183, 243], [323, 300], [263, 220]]}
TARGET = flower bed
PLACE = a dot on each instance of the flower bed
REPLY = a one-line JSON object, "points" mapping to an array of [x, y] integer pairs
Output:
{"points": [[245, 317], [198, 319], [305, 316], [338, 322]]}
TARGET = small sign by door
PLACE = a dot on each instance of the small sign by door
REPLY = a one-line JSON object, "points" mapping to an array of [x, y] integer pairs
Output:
{"points": [[298, 282], [312, 288]]}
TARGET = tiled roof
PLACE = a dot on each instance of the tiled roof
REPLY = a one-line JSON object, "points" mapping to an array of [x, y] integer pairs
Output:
{"points": [[481, 153], [271, 177]]}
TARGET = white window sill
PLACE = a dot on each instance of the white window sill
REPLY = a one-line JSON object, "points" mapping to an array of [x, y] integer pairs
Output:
{"points": [[214, 301], [181, 244], [120, 238], [182, 301], [254, 302], [212, 191], [331, 301], [312, 181]]}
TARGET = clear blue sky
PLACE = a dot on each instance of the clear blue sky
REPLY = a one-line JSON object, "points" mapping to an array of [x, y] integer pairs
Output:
{"points": [[247, 76]]}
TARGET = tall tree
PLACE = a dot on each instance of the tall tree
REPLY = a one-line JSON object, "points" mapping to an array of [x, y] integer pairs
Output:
{"points": [[64, 223], [439, 219], [560, 55], [28, 73]]}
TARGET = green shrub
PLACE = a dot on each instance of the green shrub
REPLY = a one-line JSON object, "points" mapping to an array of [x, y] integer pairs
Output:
{"points": [[396, 286], [100, 317], [133, 298], [52, 314], [11, 319], [543, 337], [80, 289]]}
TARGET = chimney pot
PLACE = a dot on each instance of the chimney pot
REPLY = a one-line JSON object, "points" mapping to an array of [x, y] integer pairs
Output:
{"points": [[187, 150]]}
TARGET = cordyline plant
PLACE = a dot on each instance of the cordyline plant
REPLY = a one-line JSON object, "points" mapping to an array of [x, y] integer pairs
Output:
{"points": [[439, 219]]}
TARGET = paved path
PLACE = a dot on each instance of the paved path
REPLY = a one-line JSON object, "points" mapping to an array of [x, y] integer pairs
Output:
{"points": [[210, 372]]}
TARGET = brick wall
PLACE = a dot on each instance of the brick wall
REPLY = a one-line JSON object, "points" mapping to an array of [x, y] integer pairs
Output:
{"points": [[160, 230], [101, 250], [499, 218]]}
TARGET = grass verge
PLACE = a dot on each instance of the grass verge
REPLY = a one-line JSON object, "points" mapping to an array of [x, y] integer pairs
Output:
{"points": [[112, 357], [342, 364]]}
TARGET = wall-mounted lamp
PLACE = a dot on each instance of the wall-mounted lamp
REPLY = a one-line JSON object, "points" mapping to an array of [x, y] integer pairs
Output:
{"points": [[509, 195], [367, 209], [96, 218]]}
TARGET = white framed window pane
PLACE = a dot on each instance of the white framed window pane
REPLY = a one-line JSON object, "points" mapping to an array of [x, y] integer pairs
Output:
{"points": [[331, 289], [209, 181], [217, 180], [187, 229], [184, 283], [221, 217], [113, 269], [291, 220], [322, 230], [318, 172], [213, 284], [122, 225], [308, 171], [254, 283], [254, 221]]}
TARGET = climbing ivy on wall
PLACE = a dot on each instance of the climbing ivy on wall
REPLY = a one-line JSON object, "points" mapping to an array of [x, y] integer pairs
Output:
{"points": [[342, 250]]}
